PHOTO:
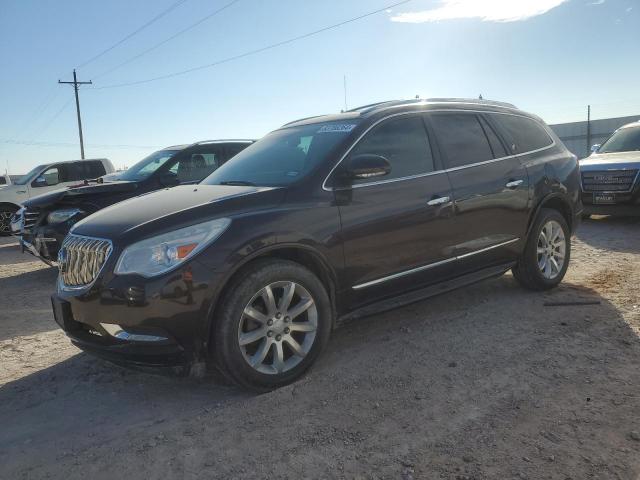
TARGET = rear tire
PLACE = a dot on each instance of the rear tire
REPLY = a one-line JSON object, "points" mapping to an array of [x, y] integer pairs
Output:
{"points": [[545, 259], [272, 324], [5, 220]]}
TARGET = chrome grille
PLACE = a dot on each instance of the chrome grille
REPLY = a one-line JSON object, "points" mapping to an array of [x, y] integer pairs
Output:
{"points": [[81, 258], [609, 180], [29, 219]]}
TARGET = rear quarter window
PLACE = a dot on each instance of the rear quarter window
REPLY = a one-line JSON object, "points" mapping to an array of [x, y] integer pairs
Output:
{"points": [[462, 138], [526, 133]]}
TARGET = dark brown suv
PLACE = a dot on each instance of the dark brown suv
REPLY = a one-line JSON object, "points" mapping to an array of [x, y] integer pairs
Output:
{"points": [[323, 218]]}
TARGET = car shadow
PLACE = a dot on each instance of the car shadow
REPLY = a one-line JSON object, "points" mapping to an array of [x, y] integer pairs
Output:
{"points": [[26, 309], [619, 234], [84, 395], [485, 358]]}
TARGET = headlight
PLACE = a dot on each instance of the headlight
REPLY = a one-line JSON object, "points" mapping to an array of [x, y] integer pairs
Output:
{"points": [[160, 254], [59, 216]]}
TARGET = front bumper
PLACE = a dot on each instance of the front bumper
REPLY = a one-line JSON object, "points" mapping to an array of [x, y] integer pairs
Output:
{"points": [[159, 322], [622, 210], [43, 242], [609, 201], [627, 204], [95, 340]]}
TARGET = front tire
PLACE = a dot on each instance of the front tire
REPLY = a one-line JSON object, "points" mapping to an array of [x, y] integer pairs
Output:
{"points": [[545, 259], [272, 324], [5, 220]]}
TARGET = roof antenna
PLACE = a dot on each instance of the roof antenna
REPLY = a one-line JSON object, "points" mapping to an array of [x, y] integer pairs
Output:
{"points": [[480, 97], [344, 84]]}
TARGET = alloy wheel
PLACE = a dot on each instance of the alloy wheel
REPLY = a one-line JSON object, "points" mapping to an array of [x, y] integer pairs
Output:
{"points": [[5, 221], [278, 327], [551, 251]]}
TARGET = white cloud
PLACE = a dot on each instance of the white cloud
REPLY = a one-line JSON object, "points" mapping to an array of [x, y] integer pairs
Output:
{"points": [[485, 10], [597, 2]]}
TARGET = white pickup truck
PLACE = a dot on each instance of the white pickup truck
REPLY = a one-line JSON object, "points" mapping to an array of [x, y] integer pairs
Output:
{"points": [[43, 179]]}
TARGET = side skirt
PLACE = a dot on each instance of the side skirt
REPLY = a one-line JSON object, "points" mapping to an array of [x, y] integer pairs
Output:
{"points": [[427, 292]]}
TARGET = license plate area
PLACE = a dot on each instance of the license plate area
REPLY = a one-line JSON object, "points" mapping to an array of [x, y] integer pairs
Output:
{"points": [[63, 315], [604, 198]]}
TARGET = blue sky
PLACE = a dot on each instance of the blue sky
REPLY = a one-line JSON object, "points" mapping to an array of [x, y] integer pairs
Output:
{"points": [[551, 57]]}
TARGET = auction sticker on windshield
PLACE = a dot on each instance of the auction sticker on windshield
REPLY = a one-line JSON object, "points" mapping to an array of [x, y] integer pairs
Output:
{"points": [[337, 128]]}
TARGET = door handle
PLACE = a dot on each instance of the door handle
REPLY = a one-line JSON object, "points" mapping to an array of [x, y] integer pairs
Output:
{"points": [[438, 201], [514, 183], [21, 191]]}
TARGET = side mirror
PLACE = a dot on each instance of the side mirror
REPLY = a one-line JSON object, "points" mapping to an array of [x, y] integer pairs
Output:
{"points": [[168, 179], [41, 181], [368, 166], [595, 147]]}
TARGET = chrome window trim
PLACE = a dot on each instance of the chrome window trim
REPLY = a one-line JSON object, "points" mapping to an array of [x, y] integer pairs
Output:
{"points": [[72, 288], [431, 265], [411, 177]]}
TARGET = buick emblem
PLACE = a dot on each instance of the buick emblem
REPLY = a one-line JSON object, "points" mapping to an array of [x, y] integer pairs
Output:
{"points": [[62, 260]]}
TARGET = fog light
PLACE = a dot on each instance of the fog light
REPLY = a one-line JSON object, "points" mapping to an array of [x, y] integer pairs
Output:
{"points": [[118, 332]]}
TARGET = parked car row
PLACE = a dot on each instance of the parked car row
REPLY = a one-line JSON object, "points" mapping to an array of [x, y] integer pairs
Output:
{"points": [[324, 218], [46, 178], [44, 221]]}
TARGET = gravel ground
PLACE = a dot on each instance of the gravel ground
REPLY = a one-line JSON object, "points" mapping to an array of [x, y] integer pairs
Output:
{"points": [[482, 383]]}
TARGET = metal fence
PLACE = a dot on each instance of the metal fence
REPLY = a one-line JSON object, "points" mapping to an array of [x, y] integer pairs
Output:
{"points": [[579, 136]]}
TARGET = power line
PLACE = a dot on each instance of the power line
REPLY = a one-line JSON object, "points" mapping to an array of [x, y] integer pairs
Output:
{"points": [[167, 40], [51, 95], [256, 51], [46, 126], [135, 32]]}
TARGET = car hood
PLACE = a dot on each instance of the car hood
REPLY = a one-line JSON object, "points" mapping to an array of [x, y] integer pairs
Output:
{"points": [[170, 209], [80, 193], [611, 161]]}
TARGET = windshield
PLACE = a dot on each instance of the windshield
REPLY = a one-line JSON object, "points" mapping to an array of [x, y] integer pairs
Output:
{"points": [[145, 168], [283, 156], [624, 140], [23, 180]]}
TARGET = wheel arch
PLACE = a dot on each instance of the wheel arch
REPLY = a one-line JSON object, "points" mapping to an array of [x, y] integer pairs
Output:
{"points": [[554, 201], [304, 255], [10, 205]]}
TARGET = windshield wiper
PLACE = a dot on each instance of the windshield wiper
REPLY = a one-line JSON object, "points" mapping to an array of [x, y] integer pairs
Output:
{"points": [[238, 183]]}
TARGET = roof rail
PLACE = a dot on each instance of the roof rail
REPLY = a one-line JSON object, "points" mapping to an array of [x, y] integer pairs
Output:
{"points": [[368, 106], [223, 140], [472, 100], [387, 103], [302, 119]]}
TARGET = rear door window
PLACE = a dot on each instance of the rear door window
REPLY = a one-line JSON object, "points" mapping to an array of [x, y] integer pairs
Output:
{"points": [[194, 167], [496, 145], [73, 172], [404, 142], [461, 138], [526, 133], [231, 151], [95, 169]]}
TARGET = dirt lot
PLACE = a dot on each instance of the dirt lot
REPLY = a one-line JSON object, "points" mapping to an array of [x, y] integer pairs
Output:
{"points": [[481, 383]]}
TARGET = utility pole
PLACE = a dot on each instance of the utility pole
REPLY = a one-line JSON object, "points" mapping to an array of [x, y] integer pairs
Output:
{"points": [[75, 84], [588, 130]]}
